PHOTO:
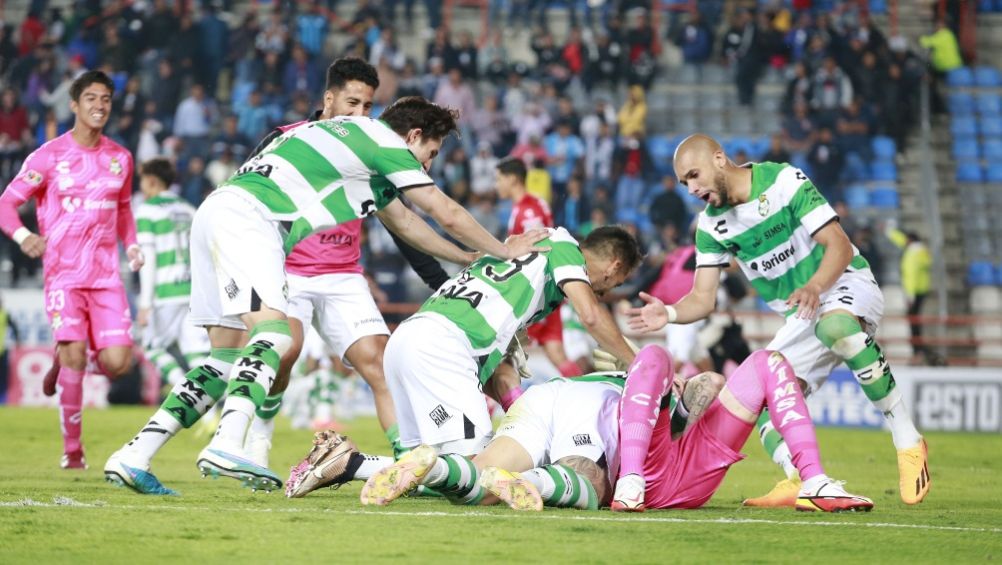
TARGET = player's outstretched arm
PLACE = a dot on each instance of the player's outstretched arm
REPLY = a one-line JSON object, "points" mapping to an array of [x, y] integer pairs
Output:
{"points": [[696, 305], [460, 224], [597, 320], [834, 262], [415, 231]]}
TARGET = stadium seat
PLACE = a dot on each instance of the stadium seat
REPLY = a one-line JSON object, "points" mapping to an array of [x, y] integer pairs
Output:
{"points": [[857, 196], [884, 198], [961, 104], [884, 147], [965, 148], [987, 76], [989, 104], [963, 125], [960, 77], [987, 300], [991, 127], [993, 172], [895, 301], [661, 148], [855, 168], [878, 6], [883, 169], [969, 171], [981, 273], [991, 149]]}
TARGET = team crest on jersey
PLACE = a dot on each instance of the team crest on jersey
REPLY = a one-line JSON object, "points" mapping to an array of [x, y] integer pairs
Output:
{"points": [[763, 206], [115, 167], [33, 177]]}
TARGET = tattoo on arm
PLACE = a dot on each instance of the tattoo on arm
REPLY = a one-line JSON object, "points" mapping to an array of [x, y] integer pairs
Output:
{"points": [[590, 470], [699, 393]]}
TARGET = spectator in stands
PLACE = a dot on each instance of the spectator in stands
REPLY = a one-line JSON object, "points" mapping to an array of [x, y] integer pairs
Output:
{"points": [[633, 115], [274, 34], [301, 75], [530, 152], [574, 53], [832, 91], [534, 122], [411, 83], [129, 110], [482, 167], [195, 186], [574, 211], [311, 30], [916, 278], [668, 208], [456, 171], [632, 165], [745, 56], [896, 106], [491, 126], [193, 121], [776, 153], [826, 159], [871, 77], [798, 88], [167, 93], [695, 39], [15, 134], [799, 36], [8, 51], [433, 78], [386, 51], [855, 126], [798, 130], [493, 58], [817, 50], [31, 32], [599, 154], [466, 56], [605, 63], [944, 58], [213, 47], [441, 48], [564, 150], [221, 167], [185, 47], [161, 27], [231, 137]]}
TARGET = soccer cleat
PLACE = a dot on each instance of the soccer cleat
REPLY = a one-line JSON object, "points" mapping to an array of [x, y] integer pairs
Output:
{"points": [[913, 472], [258, 447], [140, 480], [326, 465], [51, 376], [783, 495], [218, 463], [73, 460], [398, 479], [629, 496], [831, 497], [515, 491]]}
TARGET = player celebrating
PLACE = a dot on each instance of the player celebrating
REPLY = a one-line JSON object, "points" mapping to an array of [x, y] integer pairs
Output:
{"points": [[82, 182], [162, 224], [789, 244]]}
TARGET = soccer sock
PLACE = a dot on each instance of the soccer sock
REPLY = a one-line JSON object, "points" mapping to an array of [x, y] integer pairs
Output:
{"points": [[170, 371], [509, 398], [362, 466], [647, 382], [196, 358], [774, 445], [569, 369], [561, 487], [70, 388], [456, 478], [788, 411], [393, 436], [845, 337], [253, 375], [188, 401]]}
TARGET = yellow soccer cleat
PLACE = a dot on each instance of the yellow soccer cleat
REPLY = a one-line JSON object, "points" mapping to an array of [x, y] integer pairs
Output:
{"points": [[783, 495], [511, 488], [390, 483], [913, 472]]}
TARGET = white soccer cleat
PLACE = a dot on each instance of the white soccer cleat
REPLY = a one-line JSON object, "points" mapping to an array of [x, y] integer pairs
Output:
{"points": [[258, 447], [831, 497], [629, 496], [218, 463], [137, 478]]}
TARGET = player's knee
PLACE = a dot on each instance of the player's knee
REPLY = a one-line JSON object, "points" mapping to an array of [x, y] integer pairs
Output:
{"points": [[710, 382], [839, 331], [655, 354], [115, 365], [593, 472]]}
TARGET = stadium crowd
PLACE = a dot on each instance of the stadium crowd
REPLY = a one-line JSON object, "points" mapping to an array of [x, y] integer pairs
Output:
{"points": [[202, 87]]}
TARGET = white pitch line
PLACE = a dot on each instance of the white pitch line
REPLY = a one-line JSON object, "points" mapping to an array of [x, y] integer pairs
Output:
{"points": [[64, 502]]}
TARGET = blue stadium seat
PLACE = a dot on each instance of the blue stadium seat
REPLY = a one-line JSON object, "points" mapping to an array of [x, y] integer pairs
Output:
{"points": [[987, 76], [884, 147], [981, 273], [878, 6], [885, 198], [883, 169], [857, 196], [991, 127], [662, 149], [761, 146], [960, 77], [989, 104], [993, 173], [855, 168], [965, 148], [961, 103], [969, 171], [991, 149], [963, 126], [986, 6]]}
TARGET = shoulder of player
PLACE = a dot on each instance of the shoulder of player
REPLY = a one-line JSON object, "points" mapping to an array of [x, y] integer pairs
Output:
{"points": [[111, 146], [559, 237], [785, 179]]}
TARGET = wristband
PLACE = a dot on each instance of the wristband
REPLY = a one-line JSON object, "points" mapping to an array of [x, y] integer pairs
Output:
{"points": [[20, 234], [672, 313]]}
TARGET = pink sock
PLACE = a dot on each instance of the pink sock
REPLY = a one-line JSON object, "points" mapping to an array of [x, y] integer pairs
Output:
{"points": [[509, 398], [647, 381], [569, 369], [788, 411], [70, 387]]}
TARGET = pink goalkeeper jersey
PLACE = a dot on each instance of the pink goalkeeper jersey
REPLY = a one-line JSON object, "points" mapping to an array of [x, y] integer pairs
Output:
{"points": [[83, 196]]}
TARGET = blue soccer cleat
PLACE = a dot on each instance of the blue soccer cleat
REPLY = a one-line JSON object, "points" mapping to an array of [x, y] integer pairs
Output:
{"points": [[140, 480], [219, 463]]}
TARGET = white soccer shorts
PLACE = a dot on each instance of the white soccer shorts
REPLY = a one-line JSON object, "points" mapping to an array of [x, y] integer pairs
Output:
{"points": [[237, 261], [856, 292], [339, 306], [683, 342], [431, 372], [169, 324], [564, 418]]}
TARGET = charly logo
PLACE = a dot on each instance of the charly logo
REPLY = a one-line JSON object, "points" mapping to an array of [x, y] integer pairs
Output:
{"points": [[763, 206]]}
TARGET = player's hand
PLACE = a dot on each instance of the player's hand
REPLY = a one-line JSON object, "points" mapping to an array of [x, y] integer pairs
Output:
{"points": [[651, 317], [33, 246], [525, 243], [602, 360], [136, 258], [143, 317], [807, 299]]}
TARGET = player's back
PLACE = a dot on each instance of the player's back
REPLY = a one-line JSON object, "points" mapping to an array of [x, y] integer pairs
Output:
{"points": [[163, 223], [492, 298], [530, 212], [79, 191]]}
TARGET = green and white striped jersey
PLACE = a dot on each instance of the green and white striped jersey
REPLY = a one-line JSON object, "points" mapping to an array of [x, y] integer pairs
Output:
{"points": [[492, 298], [162, 227], [328, 172], [617, 379], [771, 234]]}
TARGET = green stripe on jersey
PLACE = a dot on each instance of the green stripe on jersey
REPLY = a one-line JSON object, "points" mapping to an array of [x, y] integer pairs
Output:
{"points": [[266, 192], [314, 167], [156, 227], [173, 290], [783, 286]]}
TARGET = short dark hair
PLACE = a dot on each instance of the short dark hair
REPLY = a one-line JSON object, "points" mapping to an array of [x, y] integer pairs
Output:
{"points": [[414, 112], [616, 243], [513, 166], [347, 69], [160, 168], [87, 79]]}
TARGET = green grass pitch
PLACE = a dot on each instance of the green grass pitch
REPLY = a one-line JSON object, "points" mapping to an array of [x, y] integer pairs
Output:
{"points": [[48, 515]]}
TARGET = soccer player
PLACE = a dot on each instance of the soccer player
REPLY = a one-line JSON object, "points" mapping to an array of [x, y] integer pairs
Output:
{"points": [[163, 223], [789, 244], [528, 212], [438, 360], [82, 182]]}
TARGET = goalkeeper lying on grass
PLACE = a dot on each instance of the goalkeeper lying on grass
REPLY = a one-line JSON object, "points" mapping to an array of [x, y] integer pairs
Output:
{"points": [[559, 446]]}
